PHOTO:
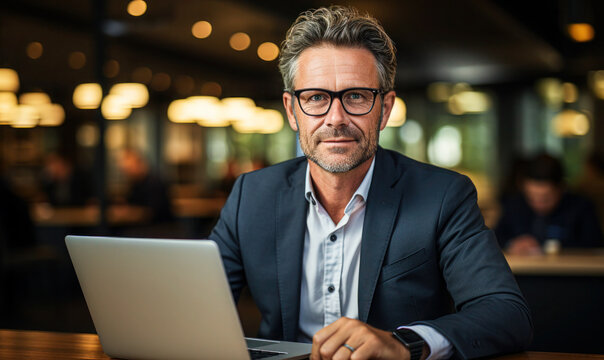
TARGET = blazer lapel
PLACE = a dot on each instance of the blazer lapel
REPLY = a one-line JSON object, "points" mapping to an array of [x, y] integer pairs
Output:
{"points": [[291, 207], [382, 208]]}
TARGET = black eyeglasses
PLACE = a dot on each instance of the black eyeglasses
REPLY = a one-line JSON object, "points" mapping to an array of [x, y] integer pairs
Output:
{"points": [[356, 101]]}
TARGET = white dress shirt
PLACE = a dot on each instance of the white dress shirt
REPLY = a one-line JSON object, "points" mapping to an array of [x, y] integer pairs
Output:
{"points": [[330, 268]]}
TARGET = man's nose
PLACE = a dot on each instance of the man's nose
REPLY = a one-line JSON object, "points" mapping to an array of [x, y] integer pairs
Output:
{"points": [[337, 116]]}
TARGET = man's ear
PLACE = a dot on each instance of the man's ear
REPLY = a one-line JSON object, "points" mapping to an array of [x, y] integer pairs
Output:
{"points": [[288, 100], [388, 105]]}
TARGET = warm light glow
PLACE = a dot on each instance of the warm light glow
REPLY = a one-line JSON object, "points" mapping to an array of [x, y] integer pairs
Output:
{"points": [[272, 121], [570, 123], [238, 108], [8, 106], [114, 107], [26, 116], [34, 98], [551, 91], [240, 41], [51, 115], [134, 94], [111, 68], [76, 60], [211, 88], [87, 96], [116, 136], [581, 32], [142, 75], [268, 51], [262, 121], [137, 7], [88, 135], [201, 29], [9, 80], [439, 91], [469, 102], [34, 50], [596, 81], [161, 81], [178, 112], [570, 92], [398, 114], [207, 111]]}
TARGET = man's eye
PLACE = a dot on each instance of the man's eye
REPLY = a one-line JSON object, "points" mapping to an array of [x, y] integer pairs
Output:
{"points": [[317, 97]]}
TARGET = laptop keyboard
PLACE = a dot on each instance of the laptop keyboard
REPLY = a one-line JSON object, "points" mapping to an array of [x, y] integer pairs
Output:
{"points": [[261, 354]]}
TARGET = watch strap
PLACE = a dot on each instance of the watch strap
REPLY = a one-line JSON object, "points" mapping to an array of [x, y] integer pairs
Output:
{"points": [[412, 341]]}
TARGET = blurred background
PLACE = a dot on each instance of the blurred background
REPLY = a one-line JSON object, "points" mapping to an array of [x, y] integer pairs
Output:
{"points": [[134, 118]]}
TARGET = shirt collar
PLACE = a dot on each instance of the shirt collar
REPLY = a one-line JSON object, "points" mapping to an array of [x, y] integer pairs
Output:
{"points": [[362, 190]]}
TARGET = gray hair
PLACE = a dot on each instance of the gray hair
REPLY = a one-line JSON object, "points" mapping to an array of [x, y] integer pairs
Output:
{"points": [[339, 26]]}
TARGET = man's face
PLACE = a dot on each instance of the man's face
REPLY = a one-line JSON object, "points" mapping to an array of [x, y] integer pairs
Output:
{"points": [[337, 141], [542, 196]]}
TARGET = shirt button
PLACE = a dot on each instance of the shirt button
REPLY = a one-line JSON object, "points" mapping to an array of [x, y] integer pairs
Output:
{"points": [[331, 288], [333, 237]]}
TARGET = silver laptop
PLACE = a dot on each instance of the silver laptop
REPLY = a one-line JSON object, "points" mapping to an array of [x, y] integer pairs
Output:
{"points": [[165, 299]]}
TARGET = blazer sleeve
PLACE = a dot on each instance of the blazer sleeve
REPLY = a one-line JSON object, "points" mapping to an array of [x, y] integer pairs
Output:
{"points": [[491, 314], [225, 234]]}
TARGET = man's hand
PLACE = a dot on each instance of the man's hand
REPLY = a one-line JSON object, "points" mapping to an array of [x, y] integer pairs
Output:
{"points": [[524, 245], [367, 342]]}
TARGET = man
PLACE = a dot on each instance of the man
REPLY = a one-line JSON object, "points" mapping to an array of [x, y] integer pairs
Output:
{"points": [[545, 212], [357, 241]]}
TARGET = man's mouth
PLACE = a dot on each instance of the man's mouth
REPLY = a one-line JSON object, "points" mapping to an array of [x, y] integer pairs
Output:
{"points": [[337, 141]]}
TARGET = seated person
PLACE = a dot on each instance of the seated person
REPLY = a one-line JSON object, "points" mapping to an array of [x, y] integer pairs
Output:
{"points": [[361, 250], [63, 184], [546, 211], [145, 188]]}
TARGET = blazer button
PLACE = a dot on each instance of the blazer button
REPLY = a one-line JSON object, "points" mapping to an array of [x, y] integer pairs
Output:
{"points": [[331, 288], [333, 237]]}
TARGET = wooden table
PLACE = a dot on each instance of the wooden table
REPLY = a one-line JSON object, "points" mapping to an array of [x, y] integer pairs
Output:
{"points": [[566, 263], [18, 345]]}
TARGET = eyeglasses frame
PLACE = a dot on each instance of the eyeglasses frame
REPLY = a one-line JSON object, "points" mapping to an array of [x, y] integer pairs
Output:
{"points": [[337, 95]]}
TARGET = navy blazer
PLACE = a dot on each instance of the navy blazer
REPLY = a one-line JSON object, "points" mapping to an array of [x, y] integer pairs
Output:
{"points": [[426, 255]]}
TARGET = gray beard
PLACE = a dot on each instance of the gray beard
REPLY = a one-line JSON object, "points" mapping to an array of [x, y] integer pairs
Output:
{"points": [[350, 163]]}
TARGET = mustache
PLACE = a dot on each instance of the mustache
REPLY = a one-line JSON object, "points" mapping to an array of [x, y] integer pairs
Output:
{"points": [[347, 131]]}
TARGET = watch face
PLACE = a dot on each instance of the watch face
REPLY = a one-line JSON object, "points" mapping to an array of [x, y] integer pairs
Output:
{"points": [[408, 336]]}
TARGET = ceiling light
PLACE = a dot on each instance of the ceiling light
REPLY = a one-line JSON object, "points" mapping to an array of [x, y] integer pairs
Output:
{"points": [[9, 80], [201, 29], [137, 7], [111, 68], [211, 88], [76, 60], [34, 50], [134, 94], [161, 81], [142, 75], [87, 96], [581, 32], [240, 41], [178, 112], [268, 51], [8, 106], [114, 107], [34, 98], [26, 116], [51, 115]]}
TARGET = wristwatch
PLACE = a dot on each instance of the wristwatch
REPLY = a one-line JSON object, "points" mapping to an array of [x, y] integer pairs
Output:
{"points": [[412, 341]]}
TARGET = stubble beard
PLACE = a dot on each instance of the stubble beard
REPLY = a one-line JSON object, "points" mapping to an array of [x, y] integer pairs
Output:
{"points": [[365, 149]]}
